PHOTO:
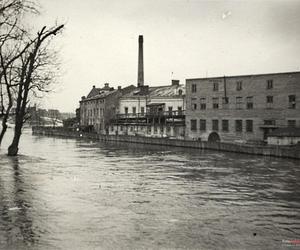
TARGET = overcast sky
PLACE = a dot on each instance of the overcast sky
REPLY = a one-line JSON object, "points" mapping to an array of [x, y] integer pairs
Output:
{"points": [[190, 38]]}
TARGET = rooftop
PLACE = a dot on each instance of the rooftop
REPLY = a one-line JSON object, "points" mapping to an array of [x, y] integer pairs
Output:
{"points": [[159, 91], [253, 75]]}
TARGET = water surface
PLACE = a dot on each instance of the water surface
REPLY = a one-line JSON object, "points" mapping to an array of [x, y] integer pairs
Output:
{"points": [[78, 194]]}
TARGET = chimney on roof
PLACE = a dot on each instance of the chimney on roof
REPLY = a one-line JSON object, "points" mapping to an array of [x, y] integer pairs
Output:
{"points": [[119, 87], [82, 98], [144, 90], [94, 86], [140, 80], [106, 85], [175, 82]]}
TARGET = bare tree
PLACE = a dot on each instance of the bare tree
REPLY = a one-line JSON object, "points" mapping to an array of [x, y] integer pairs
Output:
{"points": [[12, 47], [33, 78]]}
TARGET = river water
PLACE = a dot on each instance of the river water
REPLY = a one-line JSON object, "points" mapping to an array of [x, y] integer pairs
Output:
{"points": [[79, 194]]}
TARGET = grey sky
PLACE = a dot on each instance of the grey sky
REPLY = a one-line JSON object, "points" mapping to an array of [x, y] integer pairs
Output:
{"points": [[189, 38]]}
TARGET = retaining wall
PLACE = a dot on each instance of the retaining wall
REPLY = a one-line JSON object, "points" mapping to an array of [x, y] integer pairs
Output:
{"points": [[267, 150]]}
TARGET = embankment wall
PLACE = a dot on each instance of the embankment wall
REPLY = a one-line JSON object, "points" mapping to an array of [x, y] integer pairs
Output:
{"points": [[267, 150]]}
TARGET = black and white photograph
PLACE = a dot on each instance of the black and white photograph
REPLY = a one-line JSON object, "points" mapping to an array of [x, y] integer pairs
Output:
{"points": [[149, 124]]}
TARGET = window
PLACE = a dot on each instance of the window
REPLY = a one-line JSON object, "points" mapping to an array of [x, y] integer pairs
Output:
{"points": [[149, 129], [112, 128], [239, 102], [155, 129], [249, 126], [291, 123], [179, 108], [134, 110], [126, 110], [238, 125], [269, 101], [215, 125], [215, 86], [168, 129], [215, 102], [225, 125], [121, 128], [239, 85], [292, 101], [170, 110], [194, 103], [194, 88], [202, 125], [202, 103], [269, 84], [269, 122], [225, 102], [142, 110], [250, 102], [193, 125]]}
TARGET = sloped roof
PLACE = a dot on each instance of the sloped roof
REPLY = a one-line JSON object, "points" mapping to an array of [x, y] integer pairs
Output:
{"points": [[159, 91], [285, 132], [104, 92], [93, 92]]}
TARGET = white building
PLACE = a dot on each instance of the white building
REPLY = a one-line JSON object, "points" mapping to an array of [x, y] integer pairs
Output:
{"points": [[152, 111]]}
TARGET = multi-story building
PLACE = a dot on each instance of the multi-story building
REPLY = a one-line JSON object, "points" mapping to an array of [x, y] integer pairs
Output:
{"points": [[242, 108], [151, 111], [100, 105]]}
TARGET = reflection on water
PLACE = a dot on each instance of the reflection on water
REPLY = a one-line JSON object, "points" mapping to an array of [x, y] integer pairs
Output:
{"points": [[65, 193]]}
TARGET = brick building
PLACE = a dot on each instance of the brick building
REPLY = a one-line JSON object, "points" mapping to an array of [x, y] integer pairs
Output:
{"points": [[242, 108], [100, 105]]}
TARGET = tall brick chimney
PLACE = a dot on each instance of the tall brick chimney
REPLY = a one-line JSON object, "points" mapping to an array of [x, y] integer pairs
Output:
{"points": [[140, 80]]}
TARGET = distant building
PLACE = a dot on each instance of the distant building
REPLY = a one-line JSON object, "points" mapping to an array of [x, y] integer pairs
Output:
{"points": [[151, 111], [242, 108], [54, 114], [100, 105]]}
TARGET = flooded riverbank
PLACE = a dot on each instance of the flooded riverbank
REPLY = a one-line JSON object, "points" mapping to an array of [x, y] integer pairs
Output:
{"points": [[68, 193]]}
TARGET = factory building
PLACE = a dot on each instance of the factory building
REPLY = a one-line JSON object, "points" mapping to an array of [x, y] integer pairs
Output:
{"points": [[156, 111], [242, 108]]}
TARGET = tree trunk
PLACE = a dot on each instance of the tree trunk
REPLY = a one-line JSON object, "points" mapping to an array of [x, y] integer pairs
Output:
{"points": [[4, 121], [14, 146], [4, 127]]}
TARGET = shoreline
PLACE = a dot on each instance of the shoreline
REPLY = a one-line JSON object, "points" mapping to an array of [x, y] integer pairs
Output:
{"points": [[292, 152]]}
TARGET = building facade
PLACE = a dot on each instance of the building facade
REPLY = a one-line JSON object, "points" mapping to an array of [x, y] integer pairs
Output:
{"points": [[151, 111], [242, 108], [100, 105]]}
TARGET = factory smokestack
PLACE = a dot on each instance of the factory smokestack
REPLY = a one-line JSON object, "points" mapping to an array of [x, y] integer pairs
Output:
{"points": [[140, 80]]}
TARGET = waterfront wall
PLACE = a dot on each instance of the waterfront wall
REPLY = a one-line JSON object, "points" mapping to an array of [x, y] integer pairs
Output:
{"points": [[267, 150]]}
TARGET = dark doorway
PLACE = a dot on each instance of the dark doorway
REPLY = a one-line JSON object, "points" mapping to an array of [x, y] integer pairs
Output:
{"points": [[214, 137]]}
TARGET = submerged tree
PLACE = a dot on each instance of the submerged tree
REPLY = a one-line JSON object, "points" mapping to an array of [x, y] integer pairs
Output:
{"points": [[35, 73], [12, 46], [27, 64]]}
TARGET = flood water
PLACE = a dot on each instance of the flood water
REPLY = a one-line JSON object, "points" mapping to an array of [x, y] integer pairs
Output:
{"points": [[78, 194]]}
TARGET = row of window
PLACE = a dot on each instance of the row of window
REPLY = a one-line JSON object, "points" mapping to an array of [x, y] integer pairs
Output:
{"points": [[94, 112], [238, 125], [224, 125], [156, 129], [126, 109], [239, 102], [239, 86]]}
